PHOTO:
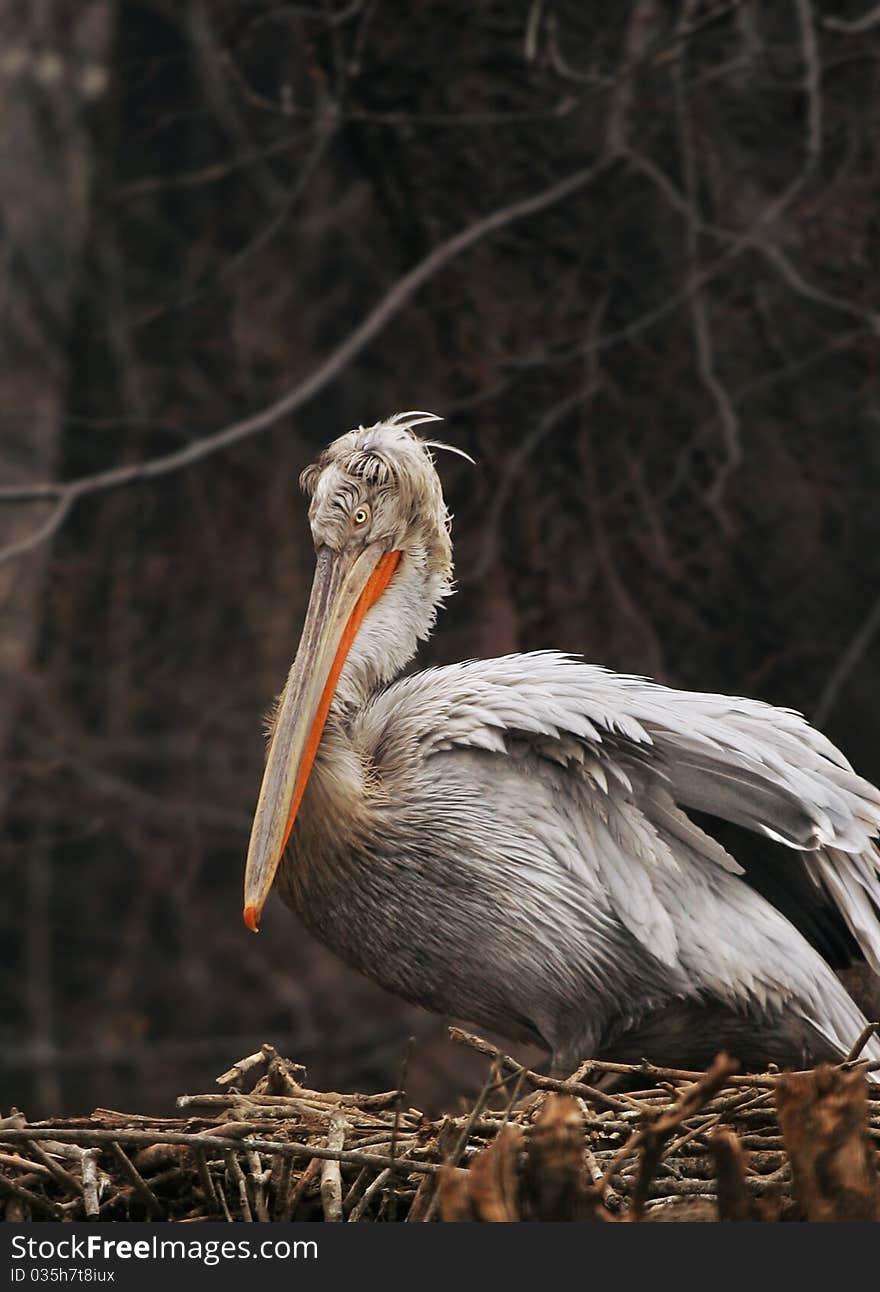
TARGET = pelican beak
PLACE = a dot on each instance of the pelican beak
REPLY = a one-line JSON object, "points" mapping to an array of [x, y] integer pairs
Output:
{"points": [[345, 586]]}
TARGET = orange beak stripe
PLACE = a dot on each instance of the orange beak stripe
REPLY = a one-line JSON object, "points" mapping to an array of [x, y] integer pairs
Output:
{"points": [[376, 585]]}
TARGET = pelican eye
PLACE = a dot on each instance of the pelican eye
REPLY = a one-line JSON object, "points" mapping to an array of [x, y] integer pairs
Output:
{"points": [[360, 516]]}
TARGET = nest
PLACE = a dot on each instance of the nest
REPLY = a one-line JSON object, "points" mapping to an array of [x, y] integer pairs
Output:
{"points": [[685, 1146]]}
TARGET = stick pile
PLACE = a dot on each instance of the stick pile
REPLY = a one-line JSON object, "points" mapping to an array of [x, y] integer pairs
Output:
{"points": [[265, 1147]]}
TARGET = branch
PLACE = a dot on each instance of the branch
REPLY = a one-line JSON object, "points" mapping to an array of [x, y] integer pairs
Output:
{"points": [[848, 662], [147, 1138], [812, 79], [49, 527], [66, 493], [702, 332], [753, 239], [854, 26]]}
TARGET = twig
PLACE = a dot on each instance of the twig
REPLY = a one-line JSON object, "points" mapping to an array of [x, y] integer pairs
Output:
{"points": [[291, 1203], [705, 350], [259, 1177], [206, 1181], [302, 1098], [847, 663], [812, 80], [356, 1191], [422, 1200], [398, 1109], [491, 1083], [41, 534], [546, 1083], [369, 1194], [224, 1205], [236, 1177], [63, 1177], [191, 1141], [32, 1200], [240, 1069], [854, 26], [331, 1176], [869, 1030], [655, 1132], [90, 1182], [69, 492], [135, 1179], [19, 1163]]}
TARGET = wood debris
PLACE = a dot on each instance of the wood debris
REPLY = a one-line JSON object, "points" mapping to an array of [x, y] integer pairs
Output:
{"points": [[673, 1145]]}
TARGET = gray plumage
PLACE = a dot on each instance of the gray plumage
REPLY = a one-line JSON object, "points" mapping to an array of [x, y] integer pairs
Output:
{"points": [[506, 840]]}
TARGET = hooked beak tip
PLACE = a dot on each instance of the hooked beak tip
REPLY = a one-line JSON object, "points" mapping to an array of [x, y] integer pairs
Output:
{"points": [[251, 917]]}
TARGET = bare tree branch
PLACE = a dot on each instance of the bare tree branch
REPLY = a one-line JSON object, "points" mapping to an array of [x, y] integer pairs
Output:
{"points": [[848, 661], [66, 493], [854, 26], [705, 350], [42, 533], [754, 238], [812, 79]]}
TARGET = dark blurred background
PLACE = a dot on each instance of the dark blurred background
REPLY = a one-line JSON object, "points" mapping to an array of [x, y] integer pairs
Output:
{"points": [[668, 377]]}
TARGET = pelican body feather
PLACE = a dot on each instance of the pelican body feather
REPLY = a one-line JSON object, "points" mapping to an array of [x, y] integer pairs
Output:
{"points": [[507, 841]]}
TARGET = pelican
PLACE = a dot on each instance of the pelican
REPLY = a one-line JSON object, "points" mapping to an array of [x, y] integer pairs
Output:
{"points": [[508, 841]]}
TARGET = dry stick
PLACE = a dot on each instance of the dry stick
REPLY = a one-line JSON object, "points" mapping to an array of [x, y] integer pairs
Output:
{"points": [[421, 1200], [492, 1083], [302, 1098], [609, 1196], [278, 1075], [378, 1184], [869, 1030], [761, 1080], [740, 1102], [32, 1200], [64, 1177], [194, 1141], [240, 1069], [512, 1101], [19, 1163], [756, 1184], [236, 1175], [298, 1191], [135, 1179], [90, 1181], [398, 1109], [282, 1166], [224, 1205], [331, 1173], [617, 1102], [258, 1176], [654, 1135], [356, 1191], [206, 1180]]}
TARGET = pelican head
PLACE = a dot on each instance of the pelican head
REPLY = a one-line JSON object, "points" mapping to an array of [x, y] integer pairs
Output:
{"points": [[384, 563]]}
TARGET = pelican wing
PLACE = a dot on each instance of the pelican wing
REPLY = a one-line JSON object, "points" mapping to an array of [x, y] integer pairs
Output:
{"points": [[661, 749]]}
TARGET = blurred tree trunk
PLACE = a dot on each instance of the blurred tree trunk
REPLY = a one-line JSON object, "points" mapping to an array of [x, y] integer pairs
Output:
{"points": [[53, 69], [52, 73]]}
